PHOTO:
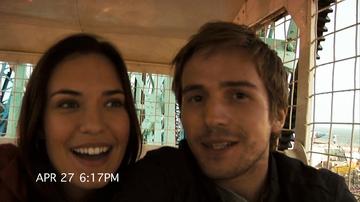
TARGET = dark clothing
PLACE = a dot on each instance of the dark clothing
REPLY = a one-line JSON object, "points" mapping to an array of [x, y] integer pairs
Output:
{"points": [[15, 181], [291, 180], [172, 175], [166, 175], [12, 184], [16, 185]]}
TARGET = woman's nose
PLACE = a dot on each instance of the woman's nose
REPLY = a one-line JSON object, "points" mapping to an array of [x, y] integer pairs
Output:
{"points": [[91, 121]]}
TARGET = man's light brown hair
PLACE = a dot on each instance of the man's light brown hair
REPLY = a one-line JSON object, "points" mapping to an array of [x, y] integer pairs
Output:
{"points": [[222, 36]]}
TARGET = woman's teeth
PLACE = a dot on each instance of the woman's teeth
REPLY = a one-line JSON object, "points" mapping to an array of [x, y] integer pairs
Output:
{"points": [[91, 150]]}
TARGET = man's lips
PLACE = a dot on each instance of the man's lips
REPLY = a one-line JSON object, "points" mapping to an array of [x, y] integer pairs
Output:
{"points": [[218, 145]]}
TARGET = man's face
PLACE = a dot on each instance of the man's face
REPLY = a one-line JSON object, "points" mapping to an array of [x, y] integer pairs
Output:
{"points": [[225, 114]]}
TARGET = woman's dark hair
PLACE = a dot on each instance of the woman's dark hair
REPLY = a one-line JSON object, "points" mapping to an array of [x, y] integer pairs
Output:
{"points": [[31, 121]]}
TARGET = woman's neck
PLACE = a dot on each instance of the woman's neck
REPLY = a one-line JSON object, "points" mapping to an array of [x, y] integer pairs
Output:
{"points": [[75, 193]]}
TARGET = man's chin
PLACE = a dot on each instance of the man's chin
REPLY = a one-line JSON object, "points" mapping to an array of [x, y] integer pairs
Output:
{"points": [[218, 172], [223, 171]]}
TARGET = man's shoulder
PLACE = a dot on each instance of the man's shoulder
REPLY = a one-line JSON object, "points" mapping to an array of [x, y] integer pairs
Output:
{"points": [[296, 171], [165, 174], [166, 157], [163, 152], [295, 176]]}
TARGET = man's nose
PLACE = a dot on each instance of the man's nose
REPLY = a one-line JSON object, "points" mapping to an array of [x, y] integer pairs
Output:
{"points": [[91, 121], [216, 113]]}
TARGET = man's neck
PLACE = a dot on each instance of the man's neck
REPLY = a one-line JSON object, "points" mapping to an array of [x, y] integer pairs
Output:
{"points": [[250, 184]]}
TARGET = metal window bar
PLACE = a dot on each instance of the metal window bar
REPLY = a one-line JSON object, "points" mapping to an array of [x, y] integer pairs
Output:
{"points": [[335, 91], [335, 61], [334, 123]]}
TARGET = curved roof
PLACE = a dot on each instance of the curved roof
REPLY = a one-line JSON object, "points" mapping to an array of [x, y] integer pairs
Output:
{"points": [[145, 31]]}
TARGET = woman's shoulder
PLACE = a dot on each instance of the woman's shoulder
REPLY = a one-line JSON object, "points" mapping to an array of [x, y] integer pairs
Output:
{"points": [[9, 147], [11, 182], [8, 153]]}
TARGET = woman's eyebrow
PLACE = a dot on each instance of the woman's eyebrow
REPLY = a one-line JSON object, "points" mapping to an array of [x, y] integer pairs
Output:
{"points": [[65, 92], [76, 93], [113, 92]]}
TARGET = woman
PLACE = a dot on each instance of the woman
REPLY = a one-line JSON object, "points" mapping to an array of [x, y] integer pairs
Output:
{"points": [[77, 128]]}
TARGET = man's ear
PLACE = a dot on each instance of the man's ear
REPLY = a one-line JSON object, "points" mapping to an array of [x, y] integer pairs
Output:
{"points": [[278, 121]]}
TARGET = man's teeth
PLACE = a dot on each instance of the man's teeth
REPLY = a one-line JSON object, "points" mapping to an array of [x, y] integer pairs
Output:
{"points": [[91, 150], [217, 146]]}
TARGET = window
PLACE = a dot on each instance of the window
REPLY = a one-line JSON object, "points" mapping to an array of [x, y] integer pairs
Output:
{"points": [[13, 79], [282, 35], [155, 105], [335, 97]]}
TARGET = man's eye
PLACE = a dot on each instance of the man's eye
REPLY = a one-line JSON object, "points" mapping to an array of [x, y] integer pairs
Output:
{"points": [[239, 96], [114, 103], [196, 98], [68, 105]]}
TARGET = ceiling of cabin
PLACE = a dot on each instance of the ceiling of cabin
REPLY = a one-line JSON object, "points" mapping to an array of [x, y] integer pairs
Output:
{"points": [[144, 30]]}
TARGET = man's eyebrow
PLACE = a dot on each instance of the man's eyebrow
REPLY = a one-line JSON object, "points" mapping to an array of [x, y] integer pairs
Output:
{"points": [[223, 84], [65, 92], [193, 87], [246, 84]]}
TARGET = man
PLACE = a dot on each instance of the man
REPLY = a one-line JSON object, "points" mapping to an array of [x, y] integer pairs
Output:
{"points": [[232, 91]]}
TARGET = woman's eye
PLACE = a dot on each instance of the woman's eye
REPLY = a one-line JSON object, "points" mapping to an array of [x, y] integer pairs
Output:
{"points": [[68, 105], [114, 103]]}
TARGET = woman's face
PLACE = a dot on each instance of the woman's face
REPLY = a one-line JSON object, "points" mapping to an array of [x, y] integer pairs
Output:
{"points": [[86, 123]]}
